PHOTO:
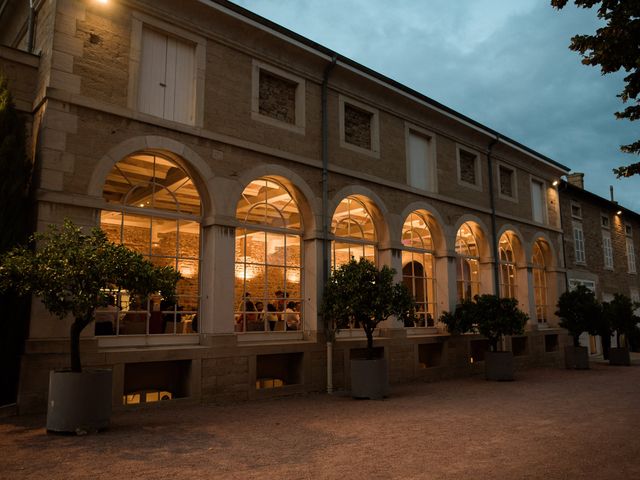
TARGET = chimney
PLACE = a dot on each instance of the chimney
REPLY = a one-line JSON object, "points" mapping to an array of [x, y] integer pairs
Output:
{"points": [[576, 179]]}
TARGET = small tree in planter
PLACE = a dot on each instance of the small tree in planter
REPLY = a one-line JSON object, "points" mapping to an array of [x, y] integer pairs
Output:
{"points": [[492, 317], [579, 311], [358, 294], [70, 271], [619, 314]]}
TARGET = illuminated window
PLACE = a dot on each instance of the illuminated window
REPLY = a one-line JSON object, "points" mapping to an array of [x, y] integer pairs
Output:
{"points": [[468, 263], [154, 209], [540, 281], [353, 231], [268, 262], [508, 284], [418, 268]]}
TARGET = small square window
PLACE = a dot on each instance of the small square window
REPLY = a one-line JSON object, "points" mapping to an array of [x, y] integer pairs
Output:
{"points": [[627, 230], [576, 210], [604, 221], [468, 168], [359, 127]]}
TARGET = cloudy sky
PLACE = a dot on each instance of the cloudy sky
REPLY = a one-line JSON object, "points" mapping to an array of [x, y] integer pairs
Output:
{"points": [[504, 63]]}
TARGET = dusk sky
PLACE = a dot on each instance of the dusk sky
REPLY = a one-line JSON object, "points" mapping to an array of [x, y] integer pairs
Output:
{"points": [[504, 63]]}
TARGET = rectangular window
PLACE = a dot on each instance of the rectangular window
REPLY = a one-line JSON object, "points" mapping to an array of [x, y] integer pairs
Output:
{"points": [[469, 169], [631, 256], [574, 282], [607, 250], [578, 243], [167, 77], [359, 129], [604, 221], [507, 181], [537, 201], [627, 230], [278, 97], [419, 157], [576, 210]]}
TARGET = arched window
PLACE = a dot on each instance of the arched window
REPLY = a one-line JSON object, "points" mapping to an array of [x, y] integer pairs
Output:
{"points": [[353, 231], [417, 266], [540, 281], [468, 263], [268, 264], [508, 284], [154, 209]]}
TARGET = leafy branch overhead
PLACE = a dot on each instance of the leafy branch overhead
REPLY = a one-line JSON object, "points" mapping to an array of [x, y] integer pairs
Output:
{"points": [[615, 47]]}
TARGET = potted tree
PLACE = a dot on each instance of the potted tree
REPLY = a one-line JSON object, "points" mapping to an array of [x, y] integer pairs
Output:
{"points": [[579, 311], [619, 313], [359, 295], [493, 317], [71, 272]]}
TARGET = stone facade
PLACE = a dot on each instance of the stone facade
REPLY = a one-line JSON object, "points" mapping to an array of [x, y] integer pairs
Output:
{"points": [[82, 95]]}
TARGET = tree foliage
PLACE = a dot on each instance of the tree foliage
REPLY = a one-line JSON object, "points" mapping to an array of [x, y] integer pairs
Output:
{"points": [[358, 294], [488, 315], [70, 271], [615, 47], [619, 314], [579, 311]]}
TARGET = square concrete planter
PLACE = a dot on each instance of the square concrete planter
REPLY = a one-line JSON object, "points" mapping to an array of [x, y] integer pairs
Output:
{"points": [[79, 402], [369, 378], [498, 366], [619, 356], [576, 358]]}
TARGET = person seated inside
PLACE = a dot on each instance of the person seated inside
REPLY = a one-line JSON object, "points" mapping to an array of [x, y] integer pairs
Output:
{"points": [[252, 317], [271, 316]]}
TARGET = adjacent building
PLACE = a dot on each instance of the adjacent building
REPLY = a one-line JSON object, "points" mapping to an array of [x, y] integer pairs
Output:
{"points": [[254, 160]]}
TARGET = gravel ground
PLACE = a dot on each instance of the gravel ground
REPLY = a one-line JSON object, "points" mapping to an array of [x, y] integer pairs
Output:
{"points": [[549, 423]]}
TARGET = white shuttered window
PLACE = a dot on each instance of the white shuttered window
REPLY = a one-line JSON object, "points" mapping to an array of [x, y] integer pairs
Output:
{"points": [[578, 242], [419, 162], [167, 77], [631, 256], [537, 201], [607, 250]]}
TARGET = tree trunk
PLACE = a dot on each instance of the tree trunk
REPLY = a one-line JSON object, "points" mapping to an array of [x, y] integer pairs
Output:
{"points": [[74, 338]]}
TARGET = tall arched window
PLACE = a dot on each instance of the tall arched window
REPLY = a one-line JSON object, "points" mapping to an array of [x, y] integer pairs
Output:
{"points": [[508, 283], [268, 266], [154, 209], [417, 266], [540, 281], [353, 231], [468, 263]]}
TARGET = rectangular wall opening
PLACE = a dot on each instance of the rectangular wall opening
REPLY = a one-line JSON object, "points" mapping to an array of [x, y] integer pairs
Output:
{"points": [[551, 343], [477, 349], [149, 382], [359, 353], [278, 370], [519, 346], [429, 355]]}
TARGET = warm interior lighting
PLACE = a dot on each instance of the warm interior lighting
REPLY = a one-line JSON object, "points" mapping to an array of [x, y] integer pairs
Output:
{"points": [[103, 2]]}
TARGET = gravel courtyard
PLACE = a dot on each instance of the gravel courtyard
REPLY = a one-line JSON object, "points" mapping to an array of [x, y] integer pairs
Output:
{"points": [[549, 423]]}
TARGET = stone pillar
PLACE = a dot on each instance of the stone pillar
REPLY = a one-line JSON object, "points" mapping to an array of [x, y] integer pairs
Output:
{"points": [[218, 279], [312, 287], [446, 282], [528, 300]]}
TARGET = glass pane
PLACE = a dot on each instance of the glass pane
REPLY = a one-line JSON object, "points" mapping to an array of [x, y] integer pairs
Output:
{"points": [[341, 253], [186, 193], [294, 282], [137, 233], [275, 248], [370, 253], [111, 223], [275, 281], [189, 239], [164, 199], [164, 237], [188, 286], [256, 242], [240, 252], [293, 258], [256, 280]]}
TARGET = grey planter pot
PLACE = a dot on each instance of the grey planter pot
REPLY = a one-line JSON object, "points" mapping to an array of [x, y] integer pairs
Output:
{"points": [[576, 358], [619, 356], [79, 402], [369, 378], [498, 366]]}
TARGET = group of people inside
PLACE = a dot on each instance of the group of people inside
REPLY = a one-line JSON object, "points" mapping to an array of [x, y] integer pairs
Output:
{"points": [[280, 315]]}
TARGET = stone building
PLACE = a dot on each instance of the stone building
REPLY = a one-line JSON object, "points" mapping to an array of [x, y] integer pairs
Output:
{"points": [[601, 238], [253, 160]]}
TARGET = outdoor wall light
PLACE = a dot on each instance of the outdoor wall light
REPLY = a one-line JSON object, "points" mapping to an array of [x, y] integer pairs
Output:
{"points": [[619, 212], [555, 183]]}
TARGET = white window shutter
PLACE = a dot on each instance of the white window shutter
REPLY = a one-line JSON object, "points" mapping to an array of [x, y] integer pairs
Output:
{"points": [[151, 91]]}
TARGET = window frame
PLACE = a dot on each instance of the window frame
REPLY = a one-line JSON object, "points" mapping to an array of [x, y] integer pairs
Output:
{"points": [[631, 256], [605, 221], [543, 200], [514, 182], [432, 167], [607, 250], [478, 169], [138, 22], [300, 97], [580, 254], [374, 129], [577, 206]]}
